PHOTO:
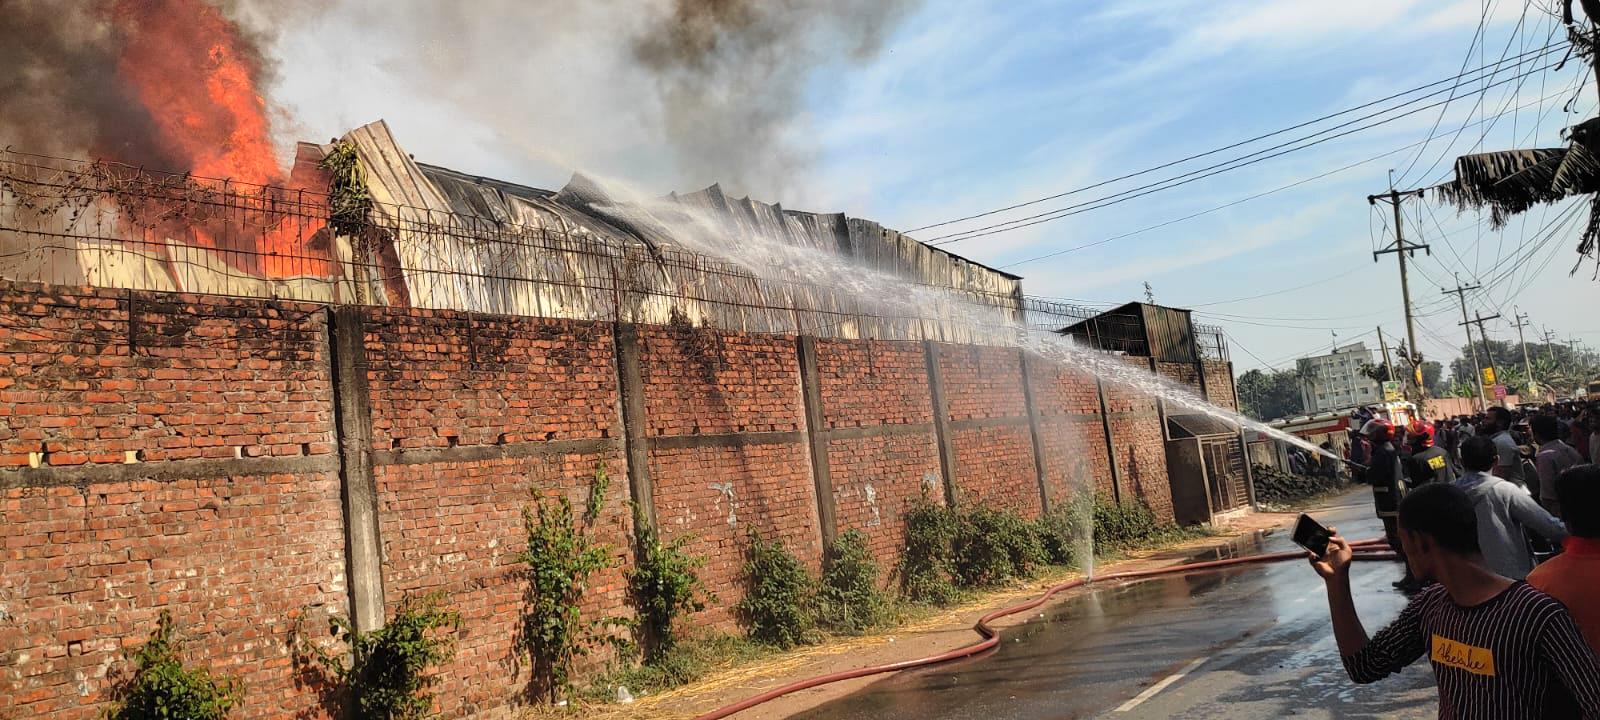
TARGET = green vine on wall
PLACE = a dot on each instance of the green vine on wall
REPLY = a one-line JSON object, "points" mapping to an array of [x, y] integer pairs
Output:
{"points": [[664, 587], [162, 687], [560, 558], [385, 675]]}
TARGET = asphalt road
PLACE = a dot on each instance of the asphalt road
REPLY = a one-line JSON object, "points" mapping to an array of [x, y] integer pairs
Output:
{"points": [[1247, 643]]}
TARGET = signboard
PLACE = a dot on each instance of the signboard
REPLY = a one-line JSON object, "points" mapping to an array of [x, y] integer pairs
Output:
{"points": [[1488, 376], [1392, 391], [1499, 392]]}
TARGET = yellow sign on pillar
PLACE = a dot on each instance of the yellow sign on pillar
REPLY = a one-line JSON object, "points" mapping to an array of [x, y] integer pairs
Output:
{"points": [[1488, 376]]}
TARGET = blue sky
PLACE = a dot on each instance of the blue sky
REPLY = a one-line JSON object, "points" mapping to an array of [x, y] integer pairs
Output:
{"points": [[971, 106]]}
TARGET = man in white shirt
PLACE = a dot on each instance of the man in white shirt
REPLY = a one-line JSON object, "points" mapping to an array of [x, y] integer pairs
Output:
{"points": [[1508, 460], [1504, 512]]}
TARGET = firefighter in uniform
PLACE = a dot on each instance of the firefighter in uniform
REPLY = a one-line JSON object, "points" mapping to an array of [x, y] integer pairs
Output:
{"points": [[1388, 486], [1429, 462]]}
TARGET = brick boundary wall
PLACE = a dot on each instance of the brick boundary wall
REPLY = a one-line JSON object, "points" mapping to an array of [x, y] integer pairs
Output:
{"points": [[250, 464]]}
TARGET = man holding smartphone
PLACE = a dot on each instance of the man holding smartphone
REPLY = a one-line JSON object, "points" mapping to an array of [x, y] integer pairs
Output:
{"points": [[1499, 648]]}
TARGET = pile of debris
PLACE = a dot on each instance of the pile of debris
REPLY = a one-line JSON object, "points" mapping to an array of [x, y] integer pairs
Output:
{"points": [[1277, 487]]}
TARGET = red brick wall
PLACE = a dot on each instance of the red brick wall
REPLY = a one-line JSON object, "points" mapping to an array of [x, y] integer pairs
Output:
{"points": [[1140, 445], [1219, 384], [709, 382], [462, 416], [982, 382], [199, 377], [1070, 427], [1183, 373], [864, 384], [712, 382], [235, 557], [440, 380], [994, 462]]}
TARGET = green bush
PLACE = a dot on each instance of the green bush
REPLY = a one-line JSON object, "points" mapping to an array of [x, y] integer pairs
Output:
{"points": [[925, 564], [386, 676], [1123, 525], [664, 587], [849, 599], [161, 687], [560, 557], [992, 546], [1061, 531], [777, 607]]}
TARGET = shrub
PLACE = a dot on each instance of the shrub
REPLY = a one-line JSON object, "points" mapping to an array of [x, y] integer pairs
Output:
{"points": [[161, 687], [849, 599], [1121, 525], [664, 586], [777, 603], [1060, 531], [925, 564], [560, 557], [386, 676], [992, 546]]}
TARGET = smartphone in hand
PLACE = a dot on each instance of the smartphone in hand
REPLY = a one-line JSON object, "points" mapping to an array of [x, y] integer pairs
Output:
{"points": [[1311, 535]]}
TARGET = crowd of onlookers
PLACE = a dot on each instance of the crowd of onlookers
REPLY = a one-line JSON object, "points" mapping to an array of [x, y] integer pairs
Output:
{"points": [[1497, 517]]}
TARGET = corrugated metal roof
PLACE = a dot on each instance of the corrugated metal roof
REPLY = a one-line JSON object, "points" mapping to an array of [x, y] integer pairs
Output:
{"points": [[1197, 425], [469, 242]]}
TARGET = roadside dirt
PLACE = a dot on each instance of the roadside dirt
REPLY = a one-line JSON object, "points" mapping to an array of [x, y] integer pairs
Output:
{"points": [[946, 630]]}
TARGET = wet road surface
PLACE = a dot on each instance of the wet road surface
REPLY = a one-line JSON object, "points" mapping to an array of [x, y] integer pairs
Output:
{"points": [[1252, 642]]}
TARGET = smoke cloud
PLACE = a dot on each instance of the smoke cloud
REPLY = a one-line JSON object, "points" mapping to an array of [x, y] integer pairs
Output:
{"points": [[731, 77], [69, 89], [667, 93]]}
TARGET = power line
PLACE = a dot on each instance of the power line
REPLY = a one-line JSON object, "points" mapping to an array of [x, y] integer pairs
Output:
{"points": [[1477, 35], [1536, 54], [1236, 163], [1224, 206]]}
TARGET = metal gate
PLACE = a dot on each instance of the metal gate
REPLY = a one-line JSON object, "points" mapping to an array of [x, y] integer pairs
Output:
{"points": [[1225, 476]]}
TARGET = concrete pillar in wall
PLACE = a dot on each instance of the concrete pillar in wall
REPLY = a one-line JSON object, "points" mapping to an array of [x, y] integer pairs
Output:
{"points": [[636, 445], [941, 422], [1034, 432], [359, 492], [817, 437]]}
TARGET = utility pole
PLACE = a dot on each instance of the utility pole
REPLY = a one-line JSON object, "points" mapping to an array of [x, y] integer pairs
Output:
{"points": [[1401, 249], [1549, 348], [1384, 346], [1527, 366], [1484, 336], [1477, 367]]}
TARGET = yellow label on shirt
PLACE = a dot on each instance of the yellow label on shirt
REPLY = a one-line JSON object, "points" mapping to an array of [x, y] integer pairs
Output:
{"points": [[1473, 659], [1436, 462]]}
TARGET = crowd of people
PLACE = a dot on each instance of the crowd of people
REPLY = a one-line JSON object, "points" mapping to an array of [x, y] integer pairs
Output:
{"points": [[1497, 518]]}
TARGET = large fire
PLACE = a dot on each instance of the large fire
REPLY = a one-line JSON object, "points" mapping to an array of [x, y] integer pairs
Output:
{"points": [[187, 64], [197, 75]]}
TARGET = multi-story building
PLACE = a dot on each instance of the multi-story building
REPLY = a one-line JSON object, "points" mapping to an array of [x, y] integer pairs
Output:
{"points": [[1335, 380]]}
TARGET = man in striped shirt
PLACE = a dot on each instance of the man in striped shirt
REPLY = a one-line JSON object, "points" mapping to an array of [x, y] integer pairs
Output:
{"points": [[1499, 648]]}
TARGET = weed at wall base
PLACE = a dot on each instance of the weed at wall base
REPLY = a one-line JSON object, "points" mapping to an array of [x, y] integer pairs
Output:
{"points": [[386, 675], [162, 687], [777, 606], [664, 587], [848, 599]]}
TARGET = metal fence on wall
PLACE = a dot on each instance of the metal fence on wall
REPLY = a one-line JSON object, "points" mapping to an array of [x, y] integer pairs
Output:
{"points": [[102, 224]]}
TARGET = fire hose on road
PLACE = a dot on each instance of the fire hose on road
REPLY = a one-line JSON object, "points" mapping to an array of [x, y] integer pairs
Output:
{"points": [[1368, 549]]}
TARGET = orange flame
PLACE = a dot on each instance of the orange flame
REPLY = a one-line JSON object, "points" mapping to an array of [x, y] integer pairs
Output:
{"points": [[196, 73], [192, 69]]}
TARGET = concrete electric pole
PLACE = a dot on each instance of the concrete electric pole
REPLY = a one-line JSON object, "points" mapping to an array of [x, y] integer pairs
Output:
{"points": [[1477, 367], [1527, 366], [1401, 250], [1484, 336]]}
